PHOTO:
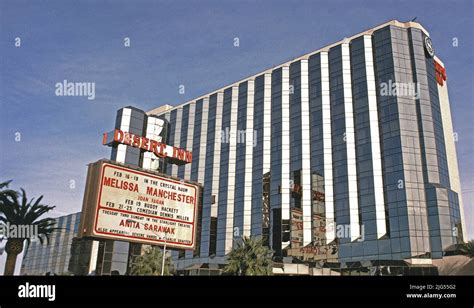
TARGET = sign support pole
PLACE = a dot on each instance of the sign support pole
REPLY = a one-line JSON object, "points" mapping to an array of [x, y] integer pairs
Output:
{"points": [[164, 257]]}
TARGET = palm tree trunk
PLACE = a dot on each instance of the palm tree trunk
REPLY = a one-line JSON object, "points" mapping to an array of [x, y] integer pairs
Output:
{"points": [[10, 264], [13, 248]]}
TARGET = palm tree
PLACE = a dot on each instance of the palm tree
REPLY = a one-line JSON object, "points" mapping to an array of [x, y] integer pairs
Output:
{"points": [[249, 257], [150, 262], [467, 249], [5, 192], [15, 212]]}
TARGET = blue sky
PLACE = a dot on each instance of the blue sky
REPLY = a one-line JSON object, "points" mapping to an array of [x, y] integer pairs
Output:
{"points": [[175, 43]]}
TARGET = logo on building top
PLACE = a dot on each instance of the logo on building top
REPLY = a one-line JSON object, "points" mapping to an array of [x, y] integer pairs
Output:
{"points": [[429, 47]]}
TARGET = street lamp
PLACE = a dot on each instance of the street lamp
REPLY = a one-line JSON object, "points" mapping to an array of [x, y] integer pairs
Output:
{"points": [[164, 248]]}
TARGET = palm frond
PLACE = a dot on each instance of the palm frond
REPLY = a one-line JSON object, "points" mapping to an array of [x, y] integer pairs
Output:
{"points": [[249, 257], [20, 211], [467, 249], [150, 262], [5, 184], [6, 193]]}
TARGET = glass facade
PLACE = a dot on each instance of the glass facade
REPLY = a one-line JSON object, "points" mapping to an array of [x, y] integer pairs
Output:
{"points": [[209, 212], [261, 121], [57, 257], [339, 171], [279, 229], [240, 160]]}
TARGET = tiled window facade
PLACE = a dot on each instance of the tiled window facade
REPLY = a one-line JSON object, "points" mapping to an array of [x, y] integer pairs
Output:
{"points": [[54, 258], [377, 162], [240, 162]]}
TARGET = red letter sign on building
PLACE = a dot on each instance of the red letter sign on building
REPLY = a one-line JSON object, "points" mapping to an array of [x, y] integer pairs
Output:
{"points": [[440, 73], [177, 156]]}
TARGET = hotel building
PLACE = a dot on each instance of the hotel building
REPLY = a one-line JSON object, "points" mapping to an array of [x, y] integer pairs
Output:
{"points": [[343, 156]]}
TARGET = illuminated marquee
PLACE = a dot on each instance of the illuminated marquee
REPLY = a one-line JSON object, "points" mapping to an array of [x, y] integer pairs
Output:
{"points": [[176, 155]]}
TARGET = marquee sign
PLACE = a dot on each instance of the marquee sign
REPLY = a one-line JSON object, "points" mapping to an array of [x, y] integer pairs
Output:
{"points": [[123, 203], [176, 155]]}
